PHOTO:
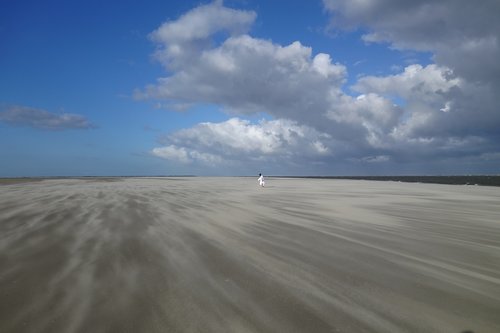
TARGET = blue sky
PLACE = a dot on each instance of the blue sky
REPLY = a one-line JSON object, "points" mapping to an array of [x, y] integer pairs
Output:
{"points": [[331, 87]]}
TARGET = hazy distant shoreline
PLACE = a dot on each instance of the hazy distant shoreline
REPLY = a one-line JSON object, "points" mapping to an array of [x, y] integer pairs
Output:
{"points": [[449, 180]]}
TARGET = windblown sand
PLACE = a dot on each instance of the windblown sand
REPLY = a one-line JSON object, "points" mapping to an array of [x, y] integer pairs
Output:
{"points": [[224, 255]]}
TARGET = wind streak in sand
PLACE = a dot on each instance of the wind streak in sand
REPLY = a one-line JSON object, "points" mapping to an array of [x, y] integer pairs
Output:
{"points": [[224, 255]]}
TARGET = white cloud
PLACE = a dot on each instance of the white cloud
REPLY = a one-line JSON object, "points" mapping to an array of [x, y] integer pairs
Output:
{"points": [[41, 119], [370, 110], [426, 90], [239, 140], [245, 75], [451, 100], [450, 28], [446, 109], [172, 152], [185, 156], [463, 35], [414, 83], [180, 41]]}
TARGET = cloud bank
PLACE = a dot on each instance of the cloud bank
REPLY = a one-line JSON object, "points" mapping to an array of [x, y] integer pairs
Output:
{"points": [[462, 35], [40, 119], [448, 110], [238, 141]]}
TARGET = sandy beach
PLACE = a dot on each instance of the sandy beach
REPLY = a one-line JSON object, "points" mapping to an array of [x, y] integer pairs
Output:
{"points": [[207, 254]]}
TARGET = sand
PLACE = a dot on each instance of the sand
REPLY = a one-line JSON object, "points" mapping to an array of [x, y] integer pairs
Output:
{"points": [[224, 255]]}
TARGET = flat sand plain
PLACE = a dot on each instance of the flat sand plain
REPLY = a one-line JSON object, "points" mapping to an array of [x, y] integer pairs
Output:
{"points": [[224, 255]]}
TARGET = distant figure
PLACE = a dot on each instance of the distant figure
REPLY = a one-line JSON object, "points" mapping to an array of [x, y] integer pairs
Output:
{"points": [[261, 180]]}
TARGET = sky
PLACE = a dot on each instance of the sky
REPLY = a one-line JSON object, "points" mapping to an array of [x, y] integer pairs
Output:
{"points": [[241, 87]]}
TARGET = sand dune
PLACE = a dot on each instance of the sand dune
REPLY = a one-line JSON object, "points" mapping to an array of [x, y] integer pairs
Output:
{"points": [[224, 255]]}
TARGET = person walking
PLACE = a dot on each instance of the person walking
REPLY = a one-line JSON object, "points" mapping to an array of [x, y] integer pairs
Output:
{"points": [[261, 180]]}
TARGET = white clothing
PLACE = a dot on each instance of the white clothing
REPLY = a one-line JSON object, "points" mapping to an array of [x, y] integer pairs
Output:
{"points": [[261, 181]]}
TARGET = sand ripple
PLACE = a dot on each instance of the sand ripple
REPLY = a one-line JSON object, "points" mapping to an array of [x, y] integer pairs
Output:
{"points": [[224, 255]]}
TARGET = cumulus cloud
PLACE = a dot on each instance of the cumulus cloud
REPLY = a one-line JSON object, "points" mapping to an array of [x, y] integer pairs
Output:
{"points": [[41, 119], [463, 35], [449, 105], [426, 91], [245, 75], [414, 83], [447, 108], [237, 140], [242, 74], [180, 41], [374, 114]]}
